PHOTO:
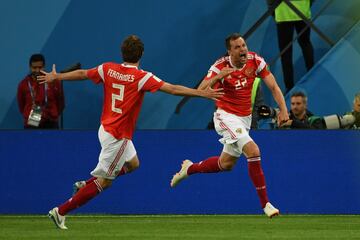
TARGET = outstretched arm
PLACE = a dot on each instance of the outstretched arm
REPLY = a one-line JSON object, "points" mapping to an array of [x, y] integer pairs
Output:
{"points": [[184, 91], [80, 74], [278, 96]]}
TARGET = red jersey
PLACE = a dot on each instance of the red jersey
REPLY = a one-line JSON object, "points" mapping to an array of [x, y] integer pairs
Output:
{"points": [[50, 97], [238, 85], [124, 90]]}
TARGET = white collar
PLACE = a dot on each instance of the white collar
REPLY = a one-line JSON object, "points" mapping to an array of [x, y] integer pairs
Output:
{"points": [[233, 66], [128, 65]]}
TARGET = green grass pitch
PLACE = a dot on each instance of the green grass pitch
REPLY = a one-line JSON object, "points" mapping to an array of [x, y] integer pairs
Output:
{"points": [[192, 227]]}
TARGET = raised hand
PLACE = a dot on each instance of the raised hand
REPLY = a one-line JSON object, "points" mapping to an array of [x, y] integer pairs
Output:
{"points": [[47, 77], [225, 72]]}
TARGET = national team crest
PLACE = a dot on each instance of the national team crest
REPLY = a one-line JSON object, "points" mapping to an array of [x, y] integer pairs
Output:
{"points": [[250, 72], [239, 130]]}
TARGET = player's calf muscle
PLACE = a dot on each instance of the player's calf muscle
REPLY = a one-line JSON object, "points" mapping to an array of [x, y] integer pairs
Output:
{"points": [[227, 165], [105, 183], [227, 162]]}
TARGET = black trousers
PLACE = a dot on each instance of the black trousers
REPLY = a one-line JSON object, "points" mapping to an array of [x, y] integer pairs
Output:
{"points": [[285, 32], [44, 125]]}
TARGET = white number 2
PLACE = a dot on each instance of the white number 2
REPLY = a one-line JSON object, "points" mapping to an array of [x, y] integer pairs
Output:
{"points": [[240, 83], [117, 97]]}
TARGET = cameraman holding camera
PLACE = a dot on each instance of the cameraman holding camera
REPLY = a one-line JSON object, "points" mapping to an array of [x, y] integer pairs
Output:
{"points": [[301, 118], [40, 104], [299, 114]]}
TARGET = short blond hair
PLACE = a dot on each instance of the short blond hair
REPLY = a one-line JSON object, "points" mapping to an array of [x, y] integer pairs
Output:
{"points": [[357, 96]]}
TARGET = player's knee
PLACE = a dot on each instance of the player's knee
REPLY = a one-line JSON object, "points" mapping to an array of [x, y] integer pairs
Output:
{"points": [[254, 152], [133, 165], [251, 149]]}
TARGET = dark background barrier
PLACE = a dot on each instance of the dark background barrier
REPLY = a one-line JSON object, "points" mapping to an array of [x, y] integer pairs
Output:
{"points": [[306, 171]]}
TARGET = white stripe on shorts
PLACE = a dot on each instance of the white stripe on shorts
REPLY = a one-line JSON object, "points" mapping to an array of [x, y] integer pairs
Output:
{"points": [[117, 158]]}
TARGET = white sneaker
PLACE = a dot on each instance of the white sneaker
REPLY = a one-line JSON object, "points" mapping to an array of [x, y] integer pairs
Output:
{"points": [[270, 210], [182, 174], [57, 218], [77, 186]]}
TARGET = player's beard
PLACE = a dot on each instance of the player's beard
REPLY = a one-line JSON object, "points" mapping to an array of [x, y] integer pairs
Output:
{"points": [[239, 62]]}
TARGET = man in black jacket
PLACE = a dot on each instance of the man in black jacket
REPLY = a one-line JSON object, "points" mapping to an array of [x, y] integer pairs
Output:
{"points": [[299, 115]]}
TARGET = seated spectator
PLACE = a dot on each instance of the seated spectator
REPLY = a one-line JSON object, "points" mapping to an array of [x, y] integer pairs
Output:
{"points": [[40, 104]]}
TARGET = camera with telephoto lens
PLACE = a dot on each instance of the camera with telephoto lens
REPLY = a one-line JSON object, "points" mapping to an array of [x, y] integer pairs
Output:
{"points": [[268, 112], [334, 121]]}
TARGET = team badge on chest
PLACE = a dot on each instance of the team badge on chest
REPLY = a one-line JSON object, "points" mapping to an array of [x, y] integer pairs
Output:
{"points": [[250, 72]]}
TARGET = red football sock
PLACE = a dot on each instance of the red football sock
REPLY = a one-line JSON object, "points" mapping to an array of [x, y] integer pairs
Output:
{"points": [[210, 165], [90, 180], [257, 177], [81, 197]]}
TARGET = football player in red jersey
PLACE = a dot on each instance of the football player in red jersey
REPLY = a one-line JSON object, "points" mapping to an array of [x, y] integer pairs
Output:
{"points": [[124, 89], [236, 73]]}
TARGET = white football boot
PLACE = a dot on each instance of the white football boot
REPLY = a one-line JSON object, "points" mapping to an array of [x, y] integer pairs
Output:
{"points": [[57, 218], [182, 174], [270, 210]]}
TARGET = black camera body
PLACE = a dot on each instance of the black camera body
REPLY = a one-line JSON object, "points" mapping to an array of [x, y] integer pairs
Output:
{"points": [[267, 112]]}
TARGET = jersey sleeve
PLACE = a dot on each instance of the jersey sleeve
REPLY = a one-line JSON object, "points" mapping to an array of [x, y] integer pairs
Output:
{"points": [[96, 74], [150, 83], [262, 68], [213, 71]]}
